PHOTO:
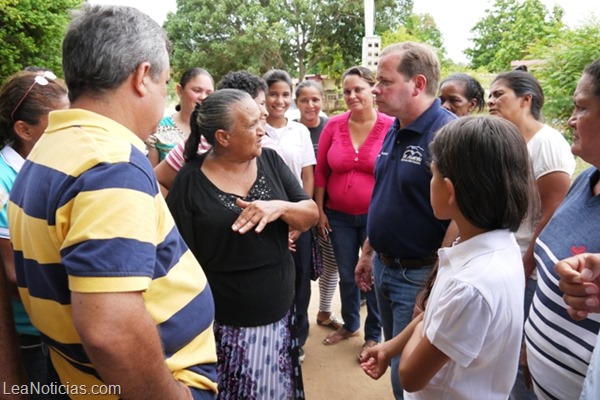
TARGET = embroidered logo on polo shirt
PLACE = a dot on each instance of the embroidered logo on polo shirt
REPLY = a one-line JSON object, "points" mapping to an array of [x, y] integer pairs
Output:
{"points": [[413, 154]]}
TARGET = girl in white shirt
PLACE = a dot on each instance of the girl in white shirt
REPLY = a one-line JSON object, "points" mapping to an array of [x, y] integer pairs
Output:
{"points": [[293, 142]]}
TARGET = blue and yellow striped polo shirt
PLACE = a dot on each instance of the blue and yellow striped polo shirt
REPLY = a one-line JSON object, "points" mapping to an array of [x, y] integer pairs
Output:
{"points": [[86, 215]]}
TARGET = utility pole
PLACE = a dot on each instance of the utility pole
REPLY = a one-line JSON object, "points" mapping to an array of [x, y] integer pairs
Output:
{"points": [[371, 44]]}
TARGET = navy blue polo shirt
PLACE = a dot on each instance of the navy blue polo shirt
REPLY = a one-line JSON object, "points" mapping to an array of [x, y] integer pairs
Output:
{"points": [[401, 221]]}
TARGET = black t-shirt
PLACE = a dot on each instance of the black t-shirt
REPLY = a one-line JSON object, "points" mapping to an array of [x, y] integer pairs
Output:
{"points": [[315, 132], [251, 275]]}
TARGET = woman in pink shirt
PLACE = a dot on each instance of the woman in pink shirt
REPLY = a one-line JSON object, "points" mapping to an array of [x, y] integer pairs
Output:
{"points": [[348, 147]]}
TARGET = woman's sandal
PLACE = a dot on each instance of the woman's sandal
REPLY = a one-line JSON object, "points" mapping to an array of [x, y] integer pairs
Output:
{"points": [[332, 322], [338, 336], [367, 345]]}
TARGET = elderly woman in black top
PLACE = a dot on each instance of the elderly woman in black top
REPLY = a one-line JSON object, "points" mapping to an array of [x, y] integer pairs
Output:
{"points": [[234, 206]]}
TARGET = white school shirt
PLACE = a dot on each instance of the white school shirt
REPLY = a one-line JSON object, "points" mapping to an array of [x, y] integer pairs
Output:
{"points": [[294, 145], [475, 316]]}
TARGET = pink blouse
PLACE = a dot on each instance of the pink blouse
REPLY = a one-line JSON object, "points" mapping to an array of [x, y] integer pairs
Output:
{"points": [[346, 173]]}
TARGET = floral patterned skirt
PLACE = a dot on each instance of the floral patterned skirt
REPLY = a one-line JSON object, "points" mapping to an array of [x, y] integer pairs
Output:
{"points": [[259, 363]]}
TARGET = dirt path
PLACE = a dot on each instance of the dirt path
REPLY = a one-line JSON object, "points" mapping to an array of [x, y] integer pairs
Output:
{"points": [[333, 372]]}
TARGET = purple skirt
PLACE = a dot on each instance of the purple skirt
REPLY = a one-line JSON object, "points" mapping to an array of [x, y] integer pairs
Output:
{"points": [[256, 363]]}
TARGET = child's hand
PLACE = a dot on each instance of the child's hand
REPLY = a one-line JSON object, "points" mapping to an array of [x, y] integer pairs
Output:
{"points": [[374, 361]]}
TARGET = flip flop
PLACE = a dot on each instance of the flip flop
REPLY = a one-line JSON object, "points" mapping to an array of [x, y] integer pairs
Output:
{"points": [[338, 336], [332, 322]]}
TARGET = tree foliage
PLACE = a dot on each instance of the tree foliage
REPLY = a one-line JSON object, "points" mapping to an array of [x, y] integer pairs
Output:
{"points": [[297, 35], [565, 58], [390, 14], [31, 33], [509, 28], [223, 35], [418, 28]]}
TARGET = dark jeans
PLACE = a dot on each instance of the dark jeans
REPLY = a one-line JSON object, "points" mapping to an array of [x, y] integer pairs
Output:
{"points": [[348, 233], [35, 359], [302, 260]]}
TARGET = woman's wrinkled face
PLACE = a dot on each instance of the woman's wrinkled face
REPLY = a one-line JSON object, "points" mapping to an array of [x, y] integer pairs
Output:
{"points": [[246, 134], [504, 102], [585, 122], [454, 99]]}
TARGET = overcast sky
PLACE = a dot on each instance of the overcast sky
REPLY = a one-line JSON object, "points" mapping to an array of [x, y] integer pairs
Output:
{"points": [[454, 18]]}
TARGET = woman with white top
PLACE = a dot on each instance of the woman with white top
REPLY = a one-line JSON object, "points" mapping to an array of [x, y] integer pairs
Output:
{"points": [[518, 97], [292, 139]]}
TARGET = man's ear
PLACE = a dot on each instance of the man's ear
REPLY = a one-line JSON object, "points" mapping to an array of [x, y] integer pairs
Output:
{"points": [[420, 83], [141, 77]]}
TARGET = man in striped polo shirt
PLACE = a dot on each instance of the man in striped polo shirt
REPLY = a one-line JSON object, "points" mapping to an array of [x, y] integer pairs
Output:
{"points": [[101, 267]]}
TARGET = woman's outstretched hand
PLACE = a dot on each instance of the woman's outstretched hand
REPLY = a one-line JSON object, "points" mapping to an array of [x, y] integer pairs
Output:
{"points": [[256, 214]]}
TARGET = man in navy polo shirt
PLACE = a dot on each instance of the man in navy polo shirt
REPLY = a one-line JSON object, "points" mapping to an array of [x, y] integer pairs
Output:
{"points": [[403, 234]]}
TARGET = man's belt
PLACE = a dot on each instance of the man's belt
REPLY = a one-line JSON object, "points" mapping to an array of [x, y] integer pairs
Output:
{"points": [[409, 263]]}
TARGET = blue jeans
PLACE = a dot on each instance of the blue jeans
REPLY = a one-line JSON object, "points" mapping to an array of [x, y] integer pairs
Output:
{"points": [[347, 237], [396, 291]]}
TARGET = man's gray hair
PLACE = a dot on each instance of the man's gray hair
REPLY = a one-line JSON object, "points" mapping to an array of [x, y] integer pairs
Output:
{"points": [[105, 44]]}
